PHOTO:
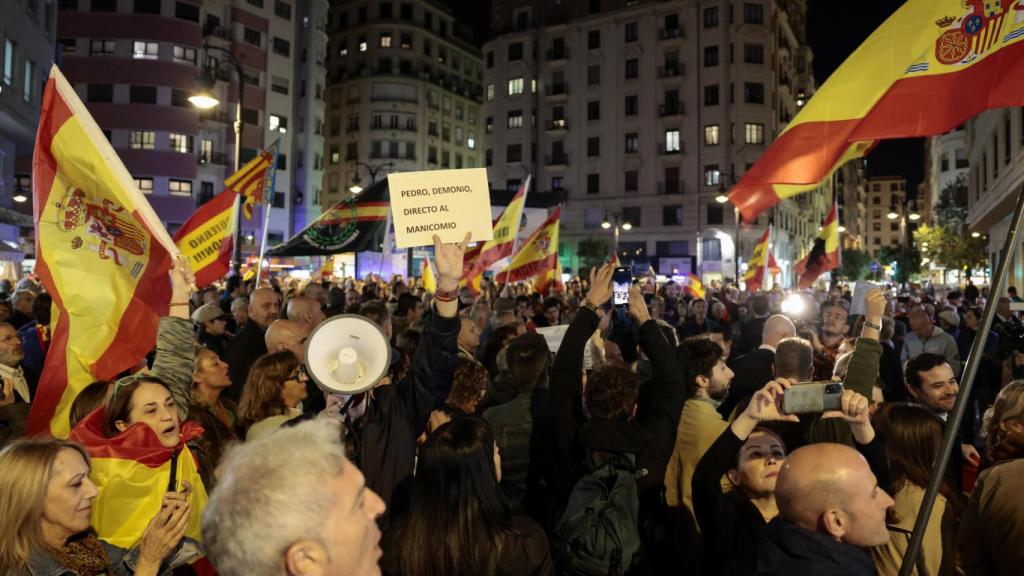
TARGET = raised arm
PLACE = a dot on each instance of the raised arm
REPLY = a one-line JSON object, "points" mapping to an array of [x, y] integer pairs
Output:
{"points": [[867, 352], [175, 351]]}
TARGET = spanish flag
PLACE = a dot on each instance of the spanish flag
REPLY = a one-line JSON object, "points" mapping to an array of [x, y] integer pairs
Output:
{"points": [[824, 255], [506, 228], [101, 252], [255, 180], [538, 258], [133, 471], [206, 238], [929, 67], [694, 286], [755, 275]]}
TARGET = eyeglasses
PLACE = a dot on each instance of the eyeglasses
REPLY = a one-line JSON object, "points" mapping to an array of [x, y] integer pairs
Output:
{"points": [[298, 374]]}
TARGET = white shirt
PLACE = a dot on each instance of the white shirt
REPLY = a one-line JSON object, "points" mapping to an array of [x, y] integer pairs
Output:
{"points": [[17, 375], [767, 347]]}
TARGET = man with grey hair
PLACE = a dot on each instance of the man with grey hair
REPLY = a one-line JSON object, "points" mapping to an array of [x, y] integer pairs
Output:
{"points": [[21, 301], [291, 503], [240, 311], [306, 310]]}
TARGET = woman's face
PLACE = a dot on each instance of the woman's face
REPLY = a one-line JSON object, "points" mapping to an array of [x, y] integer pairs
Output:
{"points": [[69, 494], [760, 460], [211, 371], [153, 404], [293, 390]]}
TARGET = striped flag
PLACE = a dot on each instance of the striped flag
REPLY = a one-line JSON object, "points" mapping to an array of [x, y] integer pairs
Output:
{"points": [[207, 238], [429, 282], [824, 255], [754, 277], [255, 180], [694, 286], [538, 257], [101, 252], [506, 228], [926, 69]]}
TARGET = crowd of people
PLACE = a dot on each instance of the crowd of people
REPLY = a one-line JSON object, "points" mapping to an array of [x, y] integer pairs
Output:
{"points": [[518, 434]]}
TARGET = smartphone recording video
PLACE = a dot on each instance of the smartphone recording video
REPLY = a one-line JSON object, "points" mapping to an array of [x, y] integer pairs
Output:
{"points": [[622, 279], [813, 397]]}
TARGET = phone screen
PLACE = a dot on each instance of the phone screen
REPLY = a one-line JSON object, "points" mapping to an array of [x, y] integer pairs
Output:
{"points": [[622, 279]]}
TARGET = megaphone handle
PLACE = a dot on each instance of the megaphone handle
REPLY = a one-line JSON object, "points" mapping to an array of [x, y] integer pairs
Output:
{"points": [[350, 429]]}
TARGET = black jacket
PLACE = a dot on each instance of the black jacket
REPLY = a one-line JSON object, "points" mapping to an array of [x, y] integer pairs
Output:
{"points": [[244, 349], [752, 371], [218, 344], [398, 413], [730, 523], [788, 550], [749, 337]]}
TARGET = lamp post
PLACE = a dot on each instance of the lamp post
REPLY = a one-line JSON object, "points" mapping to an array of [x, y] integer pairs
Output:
{"points": [[723, 198], [204, 99], [374, 169], [618, 222], [904, 209]]}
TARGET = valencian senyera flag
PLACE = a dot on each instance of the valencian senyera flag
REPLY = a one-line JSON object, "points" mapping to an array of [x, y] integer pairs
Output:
{"points": [[207, 237], [929, 67], [538, 257], [101, 252], [755, 275], [255, 181], [134, 470], [825, 253], [505, 230]]}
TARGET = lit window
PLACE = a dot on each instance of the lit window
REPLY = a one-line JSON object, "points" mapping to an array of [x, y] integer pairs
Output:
{"points": [[100, 47], [179, 187], [754, 133], [490, 92], [145, 50], [142, 140], [711, 135], [515, 86], [471, 141], [278, 123], [672, 140], [712, 176], [183, 54], [385, 40], [362, 45], [145, 185], [515, 119], [181, 143]]}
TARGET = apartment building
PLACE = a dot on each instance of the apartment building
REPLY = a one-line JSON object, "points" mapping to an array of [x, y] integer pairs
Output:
{"points": [[884, 222]]}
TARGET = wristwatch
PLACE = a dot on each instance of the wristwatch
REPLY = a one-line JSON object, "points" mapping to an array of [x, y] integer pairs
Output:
{"points": [[590, 306], [871, 324]]}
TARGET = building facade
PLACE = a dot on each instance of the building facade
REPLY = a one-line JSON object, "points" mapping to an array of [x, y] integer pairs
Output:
{"points": [[885, 195], [28, 35], [404, 93], [995, 152], [852, 186], [646, 112], [136, 62]]}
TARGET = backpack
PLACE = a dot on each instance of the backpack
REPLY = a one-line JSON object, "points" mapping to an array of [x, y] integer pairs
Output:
{"points": [[599, 533]]}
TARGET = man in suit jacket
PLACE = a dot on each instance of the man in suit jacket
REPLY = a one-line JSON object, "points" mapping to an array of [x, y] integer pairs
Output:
{"points": [[757, 368], [17, 385], [752, 328], [249, 344]]}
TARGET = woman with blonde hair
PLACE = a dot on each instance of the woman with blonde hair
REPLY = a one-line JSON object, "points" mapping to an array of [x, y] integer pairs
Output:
{"points": [[46, 500], [1003, 426], [273, 394]]}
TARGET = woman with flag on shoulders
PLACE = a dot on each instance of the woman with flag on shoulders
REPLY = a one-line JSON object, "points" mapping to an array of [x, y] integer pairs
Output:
{"points": [[138, 444]]}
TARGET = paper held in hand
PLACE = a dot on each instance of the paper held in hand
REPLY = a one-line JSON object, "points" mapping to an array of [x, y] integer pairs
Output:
{"points": [[860, 290], [448, 203]]}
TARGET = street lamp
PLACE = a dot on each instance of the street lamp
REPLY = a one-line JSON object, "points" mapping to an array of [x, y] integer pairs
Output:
{"points": [[205, 99], [616, 220], [355, 188], [909, 212]]}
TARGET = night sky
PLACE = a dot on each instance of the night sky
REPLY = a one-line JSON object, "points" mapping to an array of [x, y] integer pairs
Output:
{"points": [[834, 30]]}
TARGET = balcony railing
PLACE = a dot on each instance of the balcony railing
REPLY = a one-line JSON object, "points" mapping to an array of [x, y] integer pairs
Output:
{"points": [[663, 149], [671, 187], [670, 33], [214, 158], [671, 109], [556, 159], [558, 124], [671, 71], [562, 54]]}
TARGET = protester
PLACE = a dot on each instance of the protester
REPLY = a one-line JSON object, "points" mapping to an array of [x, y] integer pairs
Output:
{"points": [[932, 383], [697, 321], [273, 394], [248, 344], [456, 504], [925, 336], [834, 328], [216, 415], [212, 325], [35, 336], [306, 310], [755, 369], [18, 385], [291, 503]]}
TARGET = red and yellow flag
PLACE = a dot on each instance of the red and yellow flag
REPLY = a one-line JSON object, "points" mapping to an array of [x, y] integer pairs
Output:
{"points": [[255, 180], [929, 67], [824, 255], [694, 286], [133, 470], [538, 258], [101, 252], [755, 275], [429, 282], [207, 238], [506, 227]]}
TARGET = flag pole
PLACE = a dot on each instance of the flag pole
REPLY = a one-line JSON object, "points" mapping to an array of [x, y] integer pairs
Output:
{"points": [[385, 249], [950, 436], [263, 243], [767, 251]]}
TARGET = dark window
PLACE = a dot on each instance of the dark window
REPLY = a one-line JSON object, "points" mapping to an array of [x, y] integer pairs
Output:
{"points": [[179, 98], [632, 105], [631, 32], [515, 51], [251, 116], [70, 5], [632, 143], [672, 21], [282, 47], [512, 185], [205, 193], [671, 215], [594, 74], [142, 94], [593, 146], [593, 39], [753, 13], [100, 93], [594, 110], [593, 183], [488, 157], [252, 36], [490, 58], [147, 6], [104, 5], [711, 248], [186, 11], [710, 56], [715, 213], [632, 68], [406, 11], [283, 9], [386, 10], [632, 180], [362, 15], [753, 53], [631, 214], [711, 95], [753, 93], [711, 17], [514, 153]]}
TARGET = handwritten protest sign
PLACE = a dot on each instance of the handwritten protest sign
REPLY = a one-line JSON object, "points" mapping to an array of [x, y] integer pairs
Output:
{"points": [[448, 203]]}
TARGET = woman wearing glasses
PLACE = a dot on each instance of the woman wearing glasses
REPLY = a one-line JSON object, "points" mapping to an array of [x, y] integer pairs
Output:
{"points": [[273, 394]]}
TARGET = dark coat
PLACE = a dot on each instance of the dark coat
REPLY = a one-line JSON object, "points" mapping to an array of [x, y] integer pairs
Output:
{"points": [[218, 344], [752, 372], [523, 428], [244, 349], [788, 550], [749, 337]]}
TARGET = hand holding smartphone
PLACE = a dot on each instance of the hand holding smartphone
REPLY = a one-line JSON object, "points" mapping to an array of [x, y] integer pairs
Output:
{"points": [[813, 397]]}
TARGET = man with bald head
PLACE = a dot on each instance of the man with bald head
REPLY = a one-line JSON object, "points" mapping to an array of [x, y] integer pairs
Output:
{"points": [[292, 335], [306, 310], [248, 344], [830, 509], [756, 368]]}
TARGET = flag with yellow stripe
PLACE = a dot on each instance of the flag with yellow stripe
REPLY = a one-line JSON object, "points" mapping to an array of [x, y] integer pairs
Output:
{"points": [[101, 252], [538, 257], [356, 224], [255, 181], [207, 237]]}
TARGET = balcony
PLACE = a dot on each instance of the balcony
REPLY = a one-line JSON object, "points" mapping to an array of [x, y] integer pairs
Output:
{"points": [[663, 150], [557, 124], [670, 34], [671, 109], [556, 159], [671, 71], [557, 55], [557, 90], [214, 158], [670, 188]]}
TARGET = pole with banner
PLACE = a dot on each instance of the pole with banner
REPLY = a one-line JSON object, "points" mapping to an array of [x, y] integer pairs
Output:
{"points": [[268, 202]]}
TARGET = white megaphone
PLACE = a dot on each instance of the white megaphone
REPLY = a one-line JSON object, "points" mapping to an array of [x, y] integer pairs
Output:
{"points": [[347, 354]]}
